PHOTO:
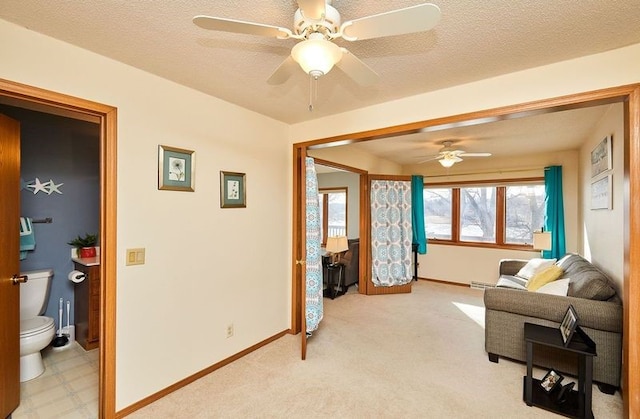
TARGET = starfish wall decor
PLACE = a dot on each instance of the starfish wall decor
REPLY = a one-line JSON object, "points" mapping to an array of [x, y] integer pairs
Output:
{"points": [[37, 186]]}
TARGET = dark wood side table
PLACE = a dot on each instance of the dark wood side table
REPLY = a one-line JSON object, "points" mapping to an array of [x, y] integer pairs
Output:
{"points": [[333, 285], [578, 403]]}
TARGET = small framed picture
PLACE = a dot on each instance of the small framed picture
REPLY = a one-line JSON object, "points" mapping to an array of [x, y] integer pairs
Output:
{"points": [[568, 325], [601, 157], [176, 169], [551, 380], [233, 191]]}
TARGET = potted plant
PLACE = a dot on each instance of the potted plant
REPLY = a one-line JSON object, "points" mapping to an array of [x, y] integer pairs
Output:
{"points": [[86, 245]]}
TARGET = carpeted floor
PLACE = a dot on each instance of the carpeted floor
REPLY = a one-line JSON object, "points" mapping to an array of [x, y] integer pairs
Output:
{"points": [[418, 355]]}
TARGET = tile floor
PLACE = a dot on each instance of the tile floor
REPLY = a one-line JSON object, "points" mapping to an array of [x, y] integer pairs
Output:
{"points": [[68, 388]]}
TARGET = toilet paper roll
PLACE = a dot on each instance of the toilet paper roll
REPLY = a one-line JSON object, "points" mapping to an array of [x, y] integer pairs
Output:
{"points": [[76, 276]]}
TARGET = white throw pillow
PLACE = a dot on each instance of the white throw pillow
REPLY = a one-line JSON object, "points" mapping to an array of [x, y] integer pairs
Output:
{"points": [[557, 287], [534, 266]]}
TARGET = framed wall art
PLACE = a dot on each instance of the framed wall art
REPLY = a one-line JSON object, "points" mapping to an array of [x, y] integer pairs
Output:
{"points": [[601, 193], [233, 191], [601, 159], [176, 169]]}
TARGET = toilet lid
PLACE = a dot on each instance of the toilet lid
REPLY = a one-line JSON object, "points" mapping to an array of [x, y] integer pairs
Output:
{"points": [[35, 325]]}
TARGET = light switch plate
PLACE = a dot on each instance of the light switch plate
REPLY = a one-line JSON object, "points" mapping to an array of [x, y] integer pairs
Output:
{"points": [[135, 256]]}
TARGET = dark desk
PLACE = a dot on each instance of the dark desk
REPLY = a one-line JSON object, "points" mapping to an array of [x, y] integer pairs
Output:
{"points": [[578, 404]]}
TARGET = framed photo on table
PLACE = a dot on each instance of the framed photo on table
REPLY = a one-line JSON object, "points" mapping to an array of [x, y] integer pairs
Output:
{"points": [[233, 191], [568, 325], [551, 381], [176, 169]]}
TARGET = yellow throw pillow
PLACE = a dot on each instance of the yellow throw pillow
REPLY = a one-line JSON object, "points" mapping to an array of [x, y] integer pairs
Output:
{"points": [[547, 275]]}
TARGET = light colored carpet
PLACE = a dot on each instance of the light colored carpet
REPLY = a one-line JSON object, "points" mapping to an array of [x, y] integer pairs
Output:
{"points": [[418, 355]]}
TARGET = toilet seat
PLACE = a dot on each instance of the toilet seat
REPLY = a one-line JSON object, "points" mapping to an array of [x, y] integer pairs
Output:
{"points": [[35, 325]]}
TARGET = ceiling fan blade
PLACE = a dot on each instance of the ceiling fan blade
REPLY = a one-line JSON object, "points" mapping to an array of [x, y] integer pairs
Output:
{"points": [[284, 71], [421, 17], [239, 26], [426, 159], [356, 69], [312, 9], [475, 154]]}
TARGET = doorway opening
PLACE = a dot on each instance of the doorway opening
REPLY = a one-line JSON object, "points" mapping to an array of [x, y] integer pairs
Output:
{"points": [[32, 98]]}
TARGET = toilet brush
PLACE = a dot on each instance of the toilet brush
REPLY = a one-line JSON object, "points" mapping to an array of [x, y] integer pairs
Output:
{"points": [[60, 339]]}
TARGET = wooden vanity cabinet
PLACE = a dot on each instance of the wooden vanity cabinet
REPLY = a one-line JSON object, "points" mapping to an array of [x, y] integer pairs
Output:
{"points": [[87, 307]]}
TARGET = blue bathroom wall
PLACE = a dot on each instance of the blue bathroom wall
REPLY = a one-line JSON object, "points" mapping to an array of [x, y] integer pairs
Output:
{"points": [[65, 151]]}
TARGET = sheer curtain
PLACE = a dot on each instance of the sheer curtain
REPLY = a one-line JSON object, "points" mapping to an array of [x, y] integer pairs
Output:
{"points": [[554, 219], [391, 233], [313, 265]]}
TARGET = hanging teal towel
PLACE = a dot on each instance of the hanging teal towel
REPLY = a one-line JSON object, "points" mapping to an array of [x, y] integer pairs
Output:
{"points": [[27, 237]]}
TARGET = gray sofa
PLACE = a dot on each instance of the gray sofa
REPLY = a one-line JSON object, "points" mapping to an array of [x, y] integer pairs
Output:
{"points": [[599, 308]]}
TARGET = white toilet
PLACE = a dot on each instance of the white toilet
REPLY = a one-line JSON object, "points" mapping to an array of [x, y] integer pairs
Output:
{"points": [[36, 331]]}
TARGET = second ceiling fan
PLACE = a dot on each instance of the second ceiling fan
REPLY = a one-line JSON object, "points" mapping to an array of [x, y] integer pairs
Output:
{"points": [[450, 155], [316, 24]]}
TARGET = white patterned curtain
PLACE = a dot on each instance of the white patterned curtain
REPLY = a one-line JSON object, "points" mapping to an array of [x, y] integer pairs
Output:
{"points": [[391, 233], [313, 274]]}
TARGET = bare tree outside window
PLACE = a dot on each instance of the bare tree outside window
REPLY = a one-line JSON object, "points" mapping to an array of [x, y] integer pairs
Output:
{"points": [[437, 213], [524, 212], [478, 214]]}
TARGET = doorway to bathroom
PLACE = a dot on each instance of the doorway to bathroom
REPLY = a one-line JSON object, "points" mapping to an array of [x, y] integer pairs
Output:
{"points": [[103, 120]]}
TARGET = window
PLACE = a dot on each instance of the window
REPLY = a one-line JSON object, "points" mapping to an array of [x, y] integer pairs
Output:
{"points": [[437, 213], [478, 214], [489, 215], [524, 212], [333, 212]]}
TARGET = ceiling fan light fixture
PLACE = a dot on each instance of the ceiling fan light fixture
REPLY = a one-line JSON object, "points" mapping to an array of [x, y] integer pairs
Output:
{"points": [[316, 55], [447, 162]]}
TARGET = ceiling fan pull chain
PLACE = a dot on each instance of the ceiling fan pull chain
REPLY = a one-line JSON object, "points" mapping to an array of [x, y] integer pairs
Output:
{"points": [[310, 93]]}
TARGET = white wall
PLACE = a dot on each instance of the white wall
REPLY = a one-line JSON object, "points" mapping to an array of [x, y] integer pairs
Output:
{"points": [[205, 266], [352, 182], [358, 159], [603, 229]]}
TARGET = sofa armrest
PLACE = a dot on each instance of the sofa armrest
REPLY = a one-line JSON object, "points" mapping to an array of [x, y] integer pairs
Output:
{"points": [[600, 315], [511, 266]]}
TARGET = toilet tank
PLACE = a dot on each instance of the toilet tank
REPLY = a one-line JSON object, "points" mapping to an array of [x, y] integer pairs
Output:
{"points": [[34, 293]]}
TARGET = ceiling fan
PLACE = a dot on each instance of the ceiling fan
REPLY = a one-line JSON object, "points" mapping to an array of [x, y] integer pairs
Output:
{"points": [[316, 24], [450, 155]]}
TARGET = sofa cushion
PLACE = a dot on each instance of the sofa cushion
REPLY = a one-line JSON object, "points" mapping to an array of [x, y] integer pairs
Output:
{"points": [[534, 266], [587, 281], [557, 287], [511, 281], [543, 277]]}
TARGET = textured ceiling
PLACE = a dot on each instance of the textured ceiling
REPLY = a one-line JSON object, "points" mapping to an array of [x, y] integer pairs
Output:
{"points": [[474, 40]]}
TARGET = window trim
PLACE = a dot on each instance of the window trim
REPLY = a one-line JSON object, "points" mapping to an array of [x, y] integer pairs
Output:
{"points": [[500, 185]]}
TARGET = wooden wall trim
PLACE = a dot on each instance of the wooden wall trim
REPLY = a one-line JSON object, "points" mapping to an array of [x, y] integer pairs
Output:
{"points": [[631, 285]]}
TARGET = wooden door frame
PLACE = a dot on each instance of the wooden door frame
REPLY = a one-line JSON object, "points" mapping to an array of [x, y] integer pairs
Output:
{"points": [[629, 95], [57, 103]]}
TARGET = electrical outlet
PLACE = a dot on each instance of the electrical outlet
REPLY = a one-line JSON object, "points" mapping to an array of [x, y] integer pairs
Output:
{"points": [[229, 330]]}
